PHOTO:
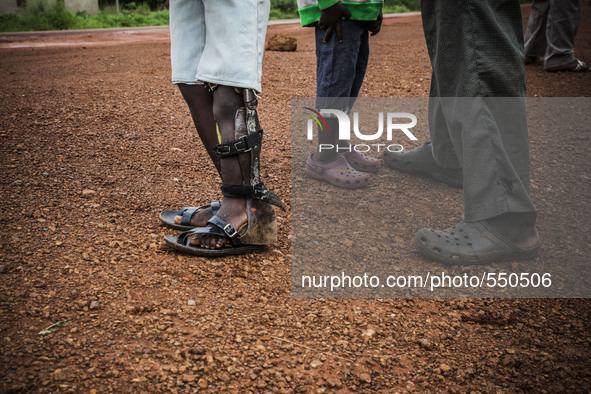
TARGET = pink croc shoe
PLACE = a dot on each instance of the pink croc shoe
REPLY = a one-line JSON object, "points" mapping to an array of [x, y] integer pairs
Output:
{"points": [[361, 162], [338, 173]]}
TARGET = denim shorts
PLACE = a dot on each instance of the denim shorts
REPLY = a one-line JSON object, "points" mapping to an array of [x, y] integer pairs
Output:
{"points": [[341, 66], [218, 41]]}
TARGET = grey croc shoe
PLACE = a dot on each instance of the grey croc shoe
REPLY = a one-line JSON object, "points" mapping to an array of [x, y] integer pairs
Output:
{"points": [[338, 173], [420, 161], [471, 243]]}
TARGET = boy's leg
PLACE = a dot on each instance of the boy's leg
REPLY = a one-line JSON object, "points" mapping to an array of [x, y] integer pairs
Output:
{"points": [[226, 101], [234, 53], [187, 19], [337, 76], [199, 99]]}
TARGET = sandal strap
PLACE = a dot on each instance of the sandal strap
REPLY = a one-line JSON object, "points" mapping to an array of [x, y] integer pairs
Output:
{"points": [[215, 206], [187, 213], [217, 227], [241, 145], [257, 191]]}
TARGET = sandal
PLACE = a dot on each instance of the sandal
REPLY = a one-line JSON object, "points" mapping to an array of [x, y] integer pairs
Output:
{"points": [[338, 173], [361, 162], [260, 228], [420, 161], [253, 236], [471, 243], [186, 213]]}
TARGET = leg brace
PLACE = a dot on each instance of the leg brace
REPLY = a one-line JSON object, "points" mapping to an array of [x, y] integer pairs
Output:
{"points": [[249, 137]]}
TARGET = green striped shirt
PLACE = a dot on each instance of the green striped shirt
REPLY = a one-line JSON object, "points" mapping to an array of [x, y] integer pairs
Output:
{"points": [[361, 10]]}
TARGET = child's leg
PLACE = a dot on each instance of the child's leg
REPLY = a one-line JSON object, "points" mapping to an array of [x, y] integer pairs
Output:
{"points": [[200, 101], [358, 160], [338, 79]]}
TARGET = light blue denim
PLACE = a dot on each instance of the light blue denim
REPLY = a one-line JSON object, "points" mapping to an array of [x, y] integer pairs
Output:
{"points": [[218, 41]]}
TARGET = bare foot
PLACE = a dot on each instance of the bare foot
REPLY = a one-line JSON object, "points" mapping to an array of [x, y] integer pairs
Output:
{"points": [[232, 211]]}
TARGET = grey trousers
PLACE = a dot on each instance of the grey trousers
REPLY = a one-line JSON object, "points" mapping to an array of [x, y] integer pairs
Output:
{"points": [[551, 31], [477, 118]]}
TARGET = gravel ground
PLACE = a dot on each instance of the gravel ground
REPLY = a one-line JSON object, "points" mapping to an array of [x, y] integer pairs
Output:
{"points": [[96, 141]]}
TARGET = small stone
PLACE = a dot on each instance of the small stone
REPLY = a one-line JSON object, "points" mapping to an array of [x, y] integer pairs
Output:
{"points": [[315, 364], [261, 384], [188, 378], [365, 378], [367, 334], [282, 42], [88, 192], [3, 269], [94, 305], [191, 303], [224, 376], [424, 343], [444, 367], [202, 383]]}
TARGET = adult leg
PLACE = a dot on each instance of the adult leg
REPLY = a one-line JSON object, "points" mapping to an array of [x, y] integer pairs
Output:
{"points": [[563, 20], [535, 35], [476, 50], [436, 159]]}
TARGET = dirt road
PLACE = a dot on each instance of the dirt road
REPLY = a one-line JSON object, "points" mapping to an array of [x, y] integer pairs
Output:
{"points": [[96, 141]]}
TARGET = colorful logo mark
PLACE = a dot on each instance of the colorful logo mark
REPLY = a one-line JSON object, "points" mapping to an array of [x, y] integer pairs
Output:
{"points": [[317, 117]]}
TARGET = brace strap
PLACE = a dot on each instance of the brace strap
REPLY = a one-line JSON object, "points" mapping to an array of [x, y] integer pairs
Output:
{"points": [[241, 145], [257, 191]]}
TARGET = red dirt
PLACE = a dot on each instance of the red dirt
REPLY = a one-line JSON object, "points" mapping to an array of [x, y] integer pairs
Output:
{"points": [[96, 141]]}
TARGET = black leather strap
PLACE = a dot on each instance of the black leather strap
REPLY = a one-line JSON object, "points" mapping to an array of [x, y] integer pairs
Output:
{"points": [[258, 191], [218, 227], [187, 213], [243, 144]]}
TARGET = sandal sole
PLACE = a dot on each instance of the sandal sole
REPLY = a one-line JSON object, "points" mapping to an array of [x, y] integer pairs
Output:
{"points": [[224, 251], [167, 218], [428, 246]]}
